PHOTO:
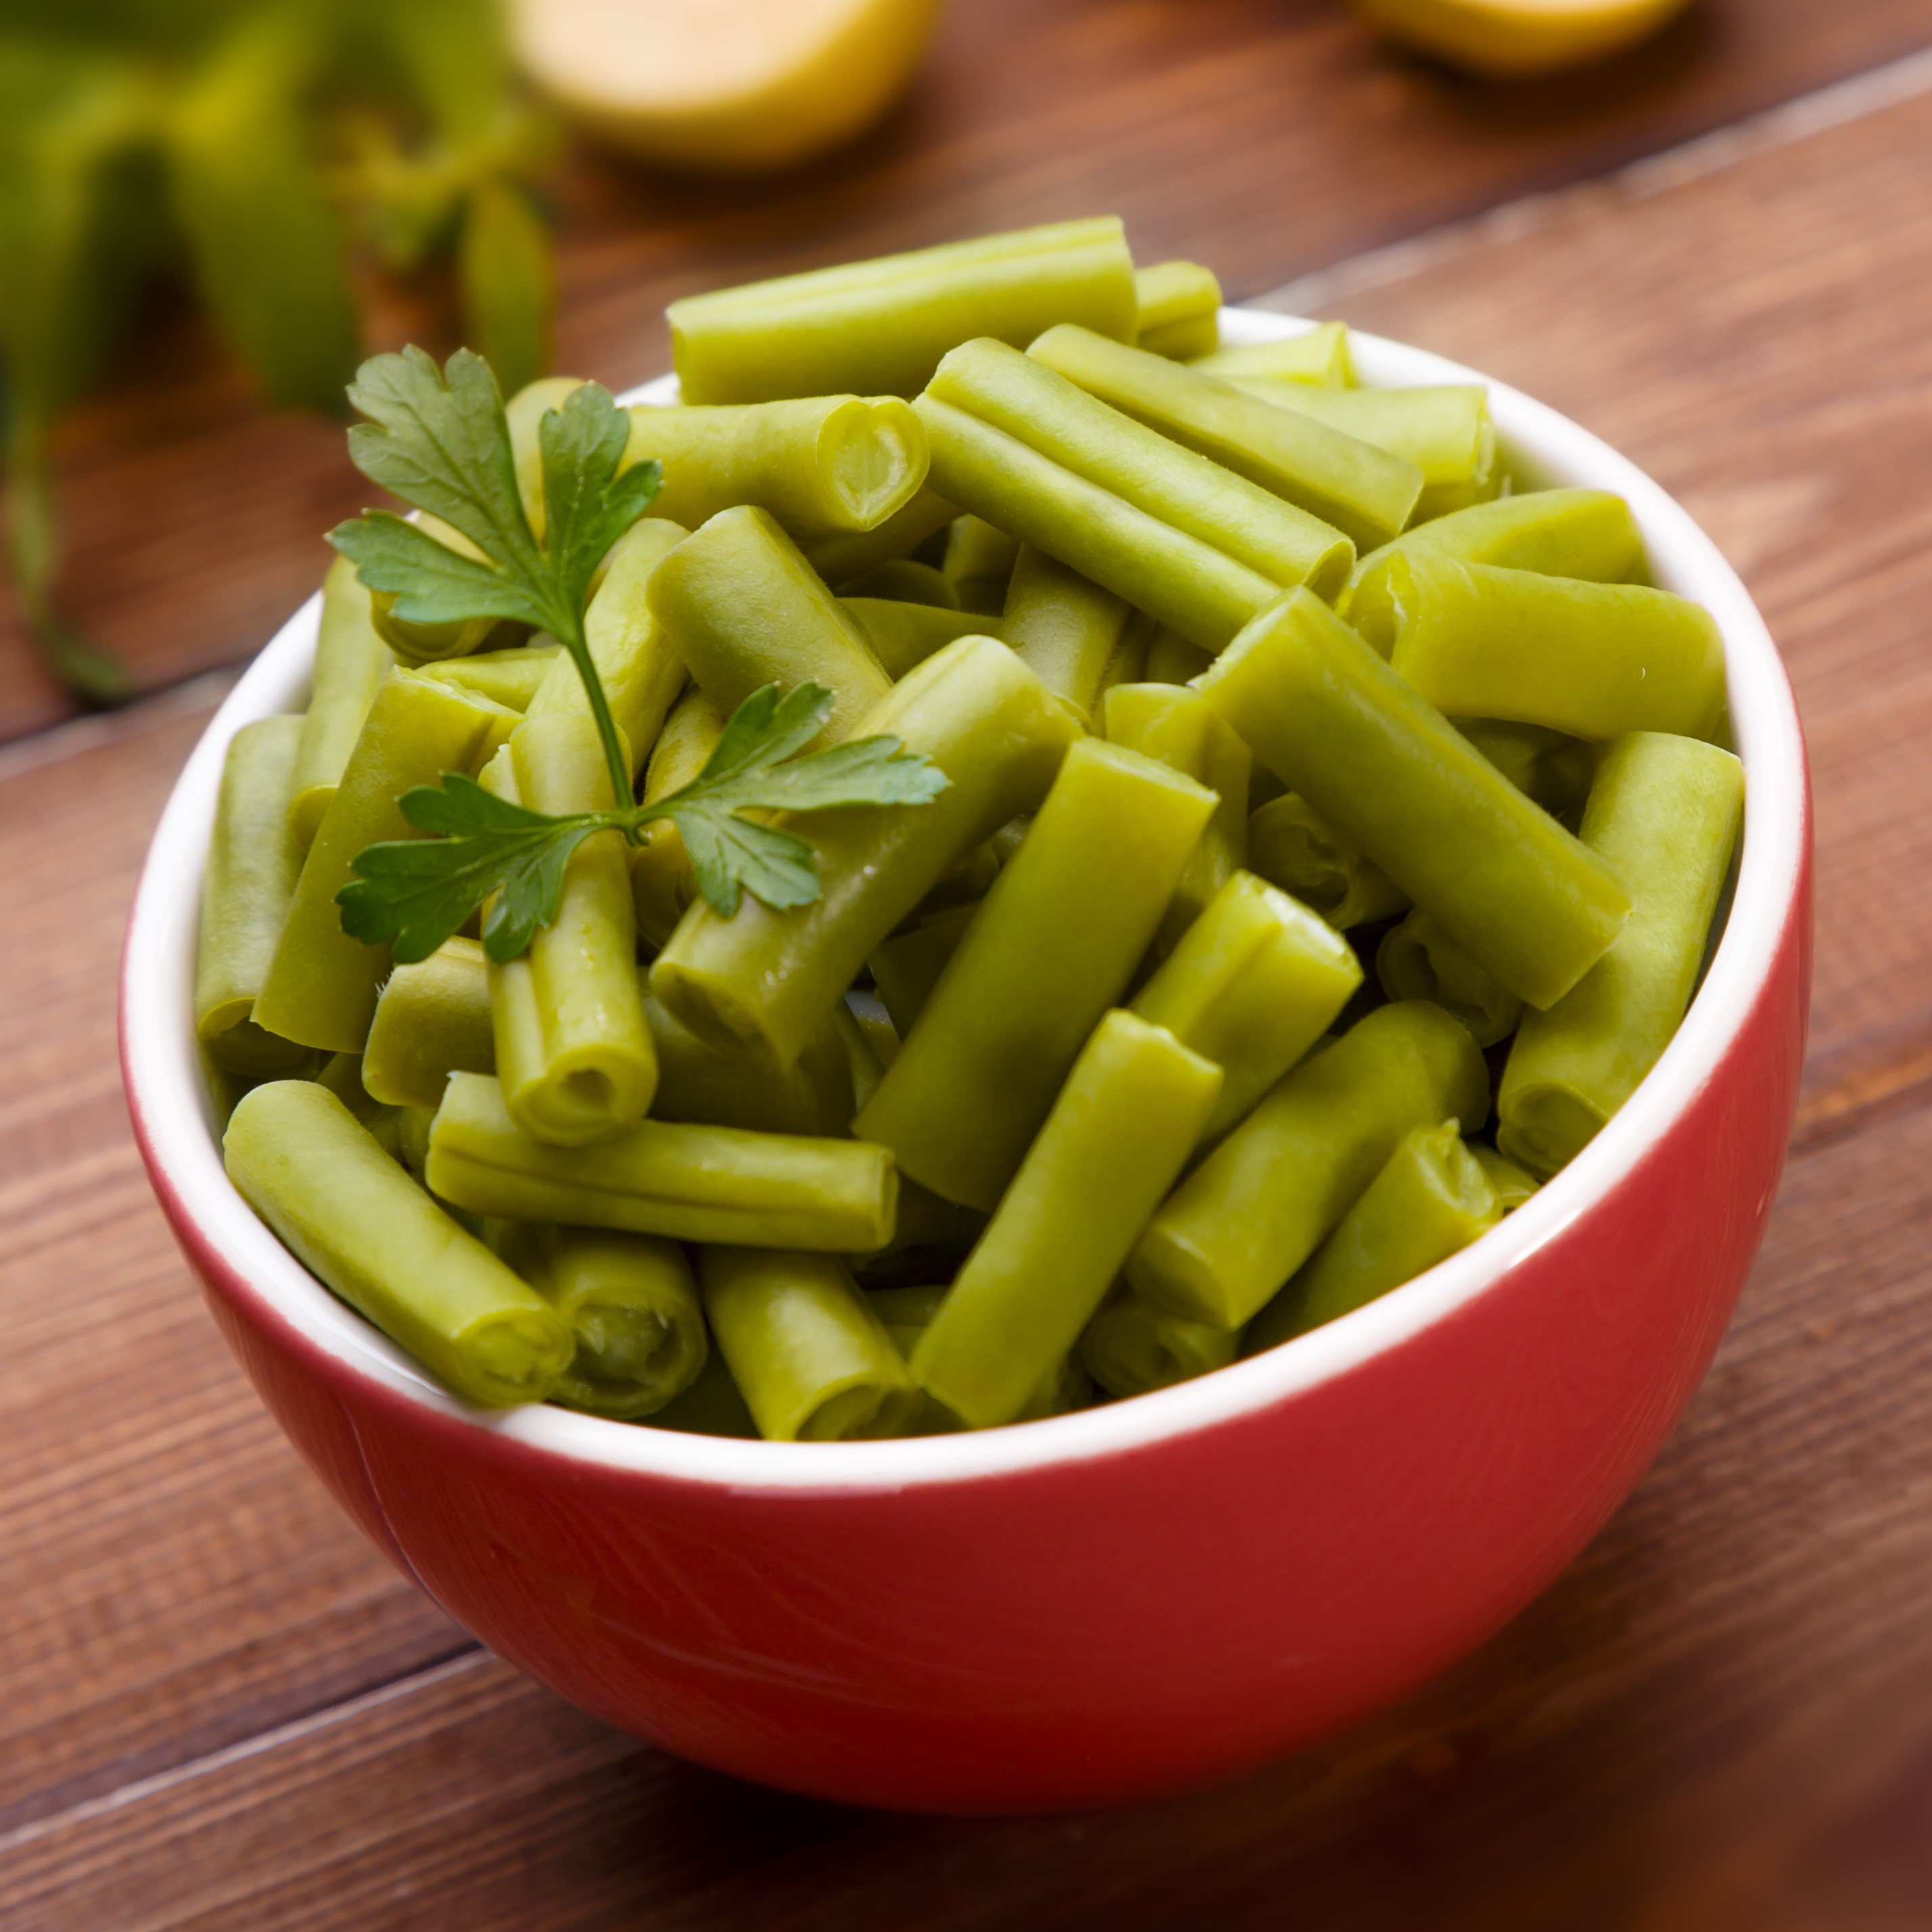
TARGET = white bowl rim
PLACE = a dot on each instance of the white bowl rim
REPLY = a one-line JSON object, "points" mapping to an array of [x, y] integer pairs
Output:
{"points": [[171, 1110]]}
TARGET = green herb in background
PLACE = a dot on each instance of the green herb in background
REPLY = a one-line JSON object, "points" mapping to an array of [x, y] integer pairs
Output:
{"points": [[251, 146], [440, 441]]}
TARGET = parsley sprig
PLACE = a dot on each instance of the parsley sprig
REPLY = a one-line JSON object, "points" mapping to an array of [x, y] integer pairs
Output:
{"points": [[440, 441]]}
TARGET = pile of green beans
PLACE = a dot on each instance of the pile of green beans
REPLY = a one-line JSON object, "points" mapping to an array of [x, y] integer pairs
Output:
{"points": [[1334, 840]]}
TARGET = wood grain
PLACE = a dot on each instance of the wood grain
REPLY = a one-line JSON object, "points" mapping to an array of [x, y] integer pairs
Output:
{"points": [[1650, 1741], [1265, 136]]}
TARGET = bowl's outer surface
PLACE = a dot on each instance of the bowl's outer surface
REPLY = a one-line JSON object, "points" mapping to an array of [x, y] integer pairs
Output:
{"points": [[1107, 1607]]}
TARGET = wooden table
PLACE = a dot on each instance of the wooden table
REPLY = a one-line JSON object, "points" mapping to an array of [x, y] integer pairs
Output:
{"points": [[221, 1709]]}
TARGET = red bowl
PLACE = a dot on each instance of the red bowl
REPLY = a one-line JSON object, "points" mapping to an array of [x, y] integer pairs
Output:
{"points": [[1113, 1605]]}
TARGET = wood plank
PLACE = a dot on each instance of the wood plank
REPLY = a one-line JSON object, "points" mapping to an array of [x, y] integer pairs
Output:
{"points": [[1265, 136], [1721, 1706], [172, 1579], [1755, 339]]}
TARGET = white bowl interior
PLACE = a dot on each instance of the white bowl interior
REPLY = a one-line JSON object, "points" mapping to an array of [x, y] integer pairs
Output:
{"points": [[1542, 448]]}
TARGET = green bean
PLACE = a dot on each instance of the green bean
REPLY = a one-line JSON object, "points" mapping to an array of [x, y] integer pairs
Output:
{"points": [[511, 678], [906, 968], [689, 1183], [1116, 1139], [1129, 663], [662, 883], [1183, 731], [1173, 660], [524, 413], [766, 979], [814, 1097], [711, 1406], [980, 562], [1320, 354], [813, 1361], [1525, 755], [879, 328], [1430, 1202], [1291, 845], [744, 609], [1418, 960], [1063, 628], [417, 643], [320, 987], [908, 1312], [1200, 590], [350, 663], [1395, 780], [1055, 944], [1261, 1203], [905, 580], [637, 665], [1131, 1347], [874, 1026], [632, 1308], [1445, 430], [1664, 814], [1513, 1185], [1027, 398], [904, 635], [1593, 660], [573, 1051], [432, 1020], [823, 465], [253, 863], [1251, 986], [1179, 306], [341, 1074], [352, 1217], [1583, 533], [839, 559], [1362, 491]]}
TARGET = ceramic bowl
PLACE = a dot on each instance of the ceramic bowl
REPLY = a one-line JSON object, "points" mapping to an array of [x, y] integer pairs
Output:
{"points": [[1112, 1605]]}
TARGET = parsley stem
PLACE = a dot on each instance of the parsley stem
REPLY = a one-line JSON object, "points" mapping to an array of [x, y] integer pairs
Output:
{"points": [[578, 644]]}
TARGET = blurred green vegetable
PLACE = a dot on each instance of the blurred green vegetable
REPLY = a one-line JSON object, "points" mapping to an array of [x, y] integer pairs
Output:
{"points": [[255, 147]]}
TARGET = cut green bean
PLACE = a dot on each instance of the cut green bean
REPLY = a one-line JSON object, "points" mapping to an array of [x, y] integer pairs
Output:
{"points": [[417, 643], [1320, 354], [1179, 306], [352, 1217], [320, 987], [879, 328], [1664, 812], [904, 635], [1063, 628], [1171, 659], [1026, 397], [980, 562], [1430, 1202], [823, 465], [1593, 660], [711, 1406], [1183, 731], [806, 1349], [905, 580], [766, 979], [744, 610], [1132, 1347], [637, 665], [1513, 1185], [1445, 430], [1362, 491], [1525, 755], [253, 861], [1583, 533], [511, 678], [632, 1308], [351, 661], [1291, 845], [689, 1183], [1262, 1203], [908, 1312], [1251, 986], [432, 1020], [1129, 663], [1382, 766], [573, 1051], [1055, 944], [523, 414], [906, 967], [662, 882], [1418, 960], [839, 559], [1116, 1139]]}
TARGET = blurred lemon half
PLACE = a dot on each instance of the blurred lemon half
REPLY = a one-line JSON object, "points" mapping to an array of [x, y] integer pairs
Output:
{"points": [[1521, 37], [731, 85]]}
